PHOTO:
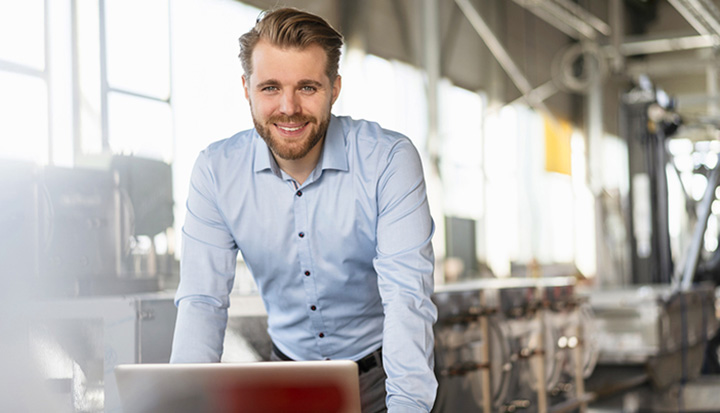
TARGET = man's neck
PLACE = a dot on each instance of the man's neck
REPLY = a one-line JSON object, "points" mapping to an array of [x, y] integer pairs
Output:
{"points": [[300, 169]]}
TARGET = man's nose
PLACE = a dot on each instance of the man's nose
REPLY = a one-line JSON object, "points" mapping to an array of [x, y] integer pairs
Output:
{"points": [[288, 103]]}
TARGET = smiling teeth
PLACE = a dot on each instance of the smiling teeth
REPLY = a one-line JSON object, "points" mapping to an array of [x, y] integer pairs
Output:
{"points": [[290, 129]]}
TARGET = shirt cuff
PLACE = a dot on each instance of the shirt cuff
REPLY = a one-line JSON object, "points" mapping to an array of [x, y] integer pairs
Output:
{"points": [[404, 408]]}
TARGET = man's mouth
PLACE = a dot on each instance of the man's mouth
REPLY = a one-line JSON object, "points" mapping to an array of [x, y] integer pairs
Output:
{"points": [[290, 128]]}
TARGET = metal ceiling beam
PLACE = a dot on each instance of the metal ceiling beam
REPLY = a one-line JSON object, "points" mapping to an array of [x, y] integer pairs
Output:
{"points": [[568, 17], [403, 26], [450, 38], [702, 15], [585, 16], [502, 56], [541, 92], [670, 44], [672, 66]]}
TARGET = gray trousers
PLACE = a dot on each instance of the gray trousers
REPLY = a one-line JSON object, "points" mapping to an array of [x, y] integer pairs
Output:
{"points": [[372, 388]]}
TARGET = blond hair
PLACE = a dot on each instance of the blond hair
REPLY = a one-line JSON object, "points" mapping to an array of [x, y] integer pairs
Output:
{"points": [[292, 28]]}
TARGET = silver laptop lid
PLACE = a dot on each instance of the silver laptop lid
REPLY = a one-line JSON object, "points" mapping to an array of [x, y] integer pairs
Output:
{"points": [[267, 387]]}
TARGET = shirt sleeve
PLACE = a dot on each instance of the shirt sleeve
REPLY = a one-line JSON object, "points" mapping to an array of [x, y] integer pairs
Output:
{"points": [[207, 273], [404, 264]]}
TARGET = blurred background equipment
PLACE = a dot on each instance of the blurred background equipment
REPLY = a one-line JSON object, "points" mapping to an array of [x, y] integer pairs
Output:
{"points": [[570, 150], [89, 294], [513, 344], [90, 222]]}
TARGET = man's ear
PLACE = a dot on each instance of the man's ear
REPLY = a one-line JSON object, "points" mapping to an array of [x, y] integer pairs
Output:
{"points": [[337, 85], [246, 82]]}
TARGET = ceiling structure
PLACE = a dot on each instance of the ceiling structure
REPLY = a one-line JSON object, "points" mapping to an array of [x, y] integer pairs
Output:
{"points": [[543, 51]]}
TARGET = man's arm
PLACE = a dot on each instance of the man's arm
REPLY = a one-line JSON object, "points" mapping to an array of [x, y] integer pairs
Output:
{"points": [[207, 272], [404, 264]]}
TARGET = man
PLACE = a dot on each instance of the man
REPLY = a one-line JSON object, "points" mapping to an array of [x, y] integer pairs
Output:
{"points": [[330, 215]]}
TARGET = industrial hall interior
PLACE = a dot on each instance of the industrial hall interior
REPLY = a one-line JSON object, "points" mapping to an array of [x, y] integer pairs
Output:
{"points": [[569, 156]]}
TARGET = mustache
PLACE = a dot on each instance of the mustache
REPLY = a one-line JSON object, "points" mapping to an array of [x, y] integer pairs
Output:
{"points": [[292, 119]]}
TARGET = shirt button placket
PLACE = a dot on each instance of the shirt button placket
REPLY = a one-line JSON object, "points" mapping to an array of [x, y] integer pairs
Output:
{"points": [[304, 254]]}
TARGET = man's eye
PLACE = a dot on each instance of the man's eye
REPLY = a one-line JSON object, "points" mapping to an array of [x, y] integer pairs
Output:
{"points": [[308, 89], [269, 88]]}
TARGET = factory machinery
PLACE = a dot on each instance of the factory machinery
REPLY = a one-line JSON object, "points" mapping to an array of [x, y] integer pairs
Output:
{"points": [[545, 345], [514, 344], [647, 338], [76, 231]]}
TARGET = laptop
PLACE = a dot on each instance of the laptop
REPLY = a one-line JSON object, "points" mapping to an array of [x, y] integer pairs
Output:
{"points": [[268, 387]]}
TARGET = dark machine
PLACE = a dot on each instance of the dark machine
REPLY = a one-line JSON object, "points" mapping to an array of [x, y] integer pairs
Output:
{"points": [[73, 230]]}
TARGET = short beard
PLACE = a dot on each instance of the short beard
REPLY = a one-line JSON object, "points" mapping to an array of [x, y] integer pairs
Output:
{"points": [[293, 152]]}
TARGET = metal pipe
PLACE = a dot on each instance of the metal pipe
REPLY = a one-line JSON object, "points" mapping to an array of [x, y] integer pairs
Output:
{"points": [[702, 16], [668, 67], [711, 74], [485, 358], [7, 66], [568, 17], [617, 387], [104, 86], [587, 17], [562, 24], [431, 62], [684, 273], [539, 358], [49, 82], [671, 44], [502, 56], [540, 93], [708, 12], [594, 131], [76, 110], [616, 22], [558, 11], [577, 354], [688, 15]]}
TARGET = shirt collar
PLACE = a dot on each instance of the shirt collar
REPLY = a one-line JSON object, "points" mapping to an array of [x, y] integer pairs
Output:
{"points": [[263, 157], [333, 156]]}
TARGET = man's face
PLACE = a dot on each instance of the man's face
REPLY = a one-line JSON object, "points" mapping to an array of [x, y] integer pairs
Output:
{"points": [[290, 98]]}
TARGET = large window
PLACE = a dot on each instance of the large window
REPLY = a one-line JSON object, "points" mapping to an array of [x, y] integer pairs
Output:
{"points": [[84, 77], [24, 77], [123, 78]]}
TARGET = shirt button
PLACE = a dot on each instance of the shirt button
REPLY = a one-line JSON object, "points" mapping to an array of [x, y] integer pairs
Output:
{"points": [[298, 193], [307, 273], [302, 234], [321, 335], [312, 307]]}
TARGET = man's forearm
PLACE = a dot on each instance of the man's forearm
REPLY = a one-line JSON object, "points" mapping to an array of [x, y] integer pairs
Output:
{"points": [[199, 331]]}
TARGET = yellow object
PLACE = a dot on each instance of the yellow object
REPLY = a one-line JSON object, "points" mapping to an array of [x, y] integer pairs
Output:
{"points": [[557, 146]]}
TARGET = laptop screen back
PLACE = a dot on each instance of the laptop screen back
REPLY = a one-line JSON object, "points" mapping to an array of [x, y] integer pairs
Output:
{"points": [[267, 387]]}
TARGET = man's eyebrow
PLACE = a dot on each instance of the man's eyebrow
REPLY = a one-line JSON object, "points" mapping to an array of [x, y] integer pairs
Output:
{"points": [[269, 82], [301, 83], [310, 82]]}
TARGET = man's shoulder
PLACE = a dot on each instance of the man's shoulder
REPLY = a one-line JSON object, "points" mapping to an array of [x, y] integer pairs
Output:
{"points": [[366, 133], [239, 143], [230, 154]]}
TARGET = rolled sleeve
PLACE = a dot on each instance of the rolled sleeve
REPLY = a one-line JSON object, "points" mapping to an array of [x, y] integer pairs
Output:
{"points": [[404, 264]]}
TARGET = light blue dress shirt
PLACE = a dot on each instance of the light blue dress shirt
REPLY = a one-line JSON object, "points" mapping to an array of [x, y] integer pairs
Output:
{"points": [[343, 262]]}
